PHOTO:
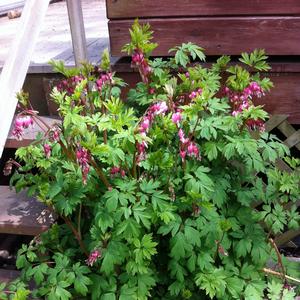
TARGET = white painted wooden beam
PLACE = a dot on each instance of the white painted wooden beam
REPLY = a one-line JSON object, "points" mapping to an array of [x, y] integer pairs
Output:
{"points": [[77, 30], [16, 66]]}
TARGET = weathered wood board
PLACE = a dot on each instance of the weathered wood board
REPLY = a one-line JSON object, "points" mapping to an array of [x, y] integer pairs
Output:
{"points": [[20, 214], [8, 275], [123, 9], [217, 35]]}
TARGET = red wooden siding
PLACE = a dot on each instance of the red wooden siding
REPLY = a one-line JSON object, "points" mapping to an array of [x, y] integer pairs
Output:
{"points": [[220, 27], [218, 35], [284, 98], [122, 9]]}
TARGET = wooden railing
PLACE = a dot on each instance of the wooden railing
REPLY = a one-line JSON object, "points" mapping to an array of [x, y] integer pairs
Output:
{"points": [[16, 66]]}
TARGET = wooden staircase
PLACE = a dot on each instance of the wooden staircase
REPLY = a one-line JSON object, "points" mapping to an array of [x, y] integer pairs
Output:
{"points": [[21, 215]]}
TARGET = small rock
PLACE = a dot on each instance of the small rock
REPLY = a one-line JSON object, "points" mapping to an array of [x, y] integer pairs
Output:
{"points": [[13, 14], [4, 254]]}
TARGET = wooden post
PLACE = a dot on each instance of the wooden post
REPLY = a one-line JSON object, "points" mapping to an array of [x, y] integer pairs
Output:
{"points": [[16, 65], [77, 30]]}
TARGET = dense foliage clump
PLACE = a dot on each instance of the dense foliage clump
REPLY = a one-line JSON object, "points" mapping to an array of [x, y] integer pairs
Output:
{"points": [[172, 193]]}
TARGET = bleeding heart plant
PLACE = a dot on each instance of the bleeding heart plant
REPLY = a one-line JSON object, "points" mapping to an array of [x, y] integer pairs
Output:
{"points": [[156, 195]]}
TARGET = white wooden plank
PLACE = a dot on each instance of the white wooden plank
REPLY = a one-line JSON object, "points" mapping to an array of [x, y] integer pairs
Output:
{"points": [[17, 63], [77, 30], [7, 5], [54, 40]]}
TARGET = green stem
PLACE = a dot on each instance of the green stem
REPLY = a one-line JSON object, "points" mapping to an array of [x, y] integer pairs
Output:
{"points": [[134, 165], [36, 117], [279, 258], [76, 234], [269, 271], [196, 124], [104, 131], [79, 220], [100, 173]]}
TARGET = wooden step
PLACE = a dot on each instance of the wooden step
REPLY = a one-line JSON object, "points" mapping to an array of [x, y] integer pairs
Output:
{"points": [[22, 215], [29, 134], [8, 275]]}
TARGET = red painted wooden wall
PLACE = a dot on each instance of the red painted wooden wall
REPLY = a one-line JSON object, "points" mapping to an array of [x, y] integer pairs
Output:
{"points": [[223, 27]]}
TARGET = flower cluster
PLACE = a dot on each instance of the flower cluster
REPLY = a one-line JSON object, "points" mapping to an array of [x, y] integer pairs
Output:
{"points": [[195, 93], [187, 147], [104, 79], [93, 257], [159, 108], [139, 60], [241, 101], [114, 171], [256, 124], [54, 134], [21, 122], [68, 85], [83, 159], [54, 137], [176, 118], [47, 150]]}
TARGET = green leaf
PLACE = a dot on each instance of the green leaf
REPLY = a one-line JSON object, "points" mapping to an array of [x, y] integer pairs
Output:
{"points": [[183, 53], [108, 263], [288, 294], [178, 246], [274, 290], [205, 261], [213, 283], [191, 263], [62, 293], [21, 294], [129, 228], [104, 220], [235, 286], [55, 189], [211, 150], [112, 200], [108, 296], [192, 236], [256, 59], [243, 247], [142, 215], [254, 290], [81, 286], [175, 288], [127, 293]]}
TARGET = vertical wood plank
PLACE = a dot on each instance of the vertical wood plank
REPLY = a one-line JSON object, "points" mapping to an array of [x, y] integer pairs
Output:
{"points": [[15, 68], [77, 30]]}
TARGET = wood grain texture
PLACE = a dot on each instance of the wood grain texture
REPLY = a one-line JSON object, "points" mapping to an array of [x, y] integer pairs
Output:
{"points": [[217, 35], [22, 215], [8, 275], [123, 9], [284, 98], [77, 31]]}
